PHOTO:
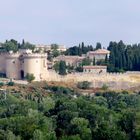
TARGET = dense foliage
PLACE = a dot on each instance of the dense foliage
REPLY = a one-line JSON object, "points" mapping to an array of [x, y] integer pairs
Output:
{"points": [[13, 45], [124, 57], [79, 50], [66, 115], [82, 49], [60, 67], [84, 85]]}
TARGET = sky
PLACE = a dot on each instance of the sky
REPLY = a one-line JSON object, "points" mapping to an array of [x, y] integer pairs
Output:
{"points": [[70, 22]]}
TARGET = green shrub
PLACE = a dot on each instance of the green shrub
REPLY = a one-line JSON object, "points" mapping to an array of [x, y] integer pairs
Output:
{"points": [[10, 83], [84, 85], [1, 84], [104, 87], [30, 77], [59, 89]]}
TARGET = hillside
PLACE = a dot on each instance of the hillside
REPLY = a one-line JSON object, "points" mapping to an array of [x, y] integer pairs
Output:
{"points": [[58, 111]]}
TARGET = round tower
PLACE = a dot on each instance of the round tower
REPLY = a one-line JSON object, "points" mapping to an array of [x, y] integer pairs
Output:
{"points": [[13, 66], [36, 64]]}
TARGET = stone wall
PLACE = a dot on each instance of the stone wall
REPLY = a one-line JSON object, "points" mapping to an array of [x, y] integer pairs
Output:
{"points": [[3, 62], [113, 80]]}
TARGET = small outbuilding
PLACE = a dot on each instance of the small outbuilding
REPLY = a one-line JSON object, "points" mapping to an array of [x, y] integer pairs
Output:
{"points": [[95, 69]]}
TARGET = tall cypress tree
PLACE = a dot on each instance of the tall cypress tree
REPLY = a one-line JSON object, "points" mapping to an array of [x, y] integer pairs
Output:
{"points": [[94, 61], [62, 68]]}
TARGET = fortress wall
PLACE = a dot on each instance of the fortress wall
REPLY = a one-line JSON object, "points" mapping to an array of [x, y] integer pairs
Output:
{"points": [[13, 68], [113, 80], [15, 65], [2, 63], [43, 69], [36, 64], [80, 76], [31, 66]]}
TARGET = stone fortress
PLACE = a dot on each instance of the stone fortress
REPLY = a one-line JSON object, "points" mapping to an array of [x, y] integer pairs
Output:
{"points": [[17, 65]]}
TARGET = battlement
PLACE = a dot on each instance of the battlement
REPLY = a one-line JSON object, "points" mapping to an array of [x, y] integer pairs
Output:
{"points": [[35, 55], [12, 55]]}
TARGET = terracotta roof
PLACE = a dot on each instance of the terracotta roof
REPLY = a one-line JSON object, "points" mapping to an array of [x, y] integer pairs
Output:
{"points": [[95, 67], [63, 57], [100, 51]]}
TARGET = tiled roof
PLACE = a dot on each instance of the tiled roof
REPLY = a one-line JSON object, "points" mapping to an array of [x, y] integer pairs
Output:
{"points": [[100, 51], [63, 57], [95, 67]]}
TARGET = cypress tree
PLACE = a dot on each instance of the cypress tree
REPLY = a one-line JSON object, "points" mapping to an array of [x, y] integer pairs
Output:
{"points": [[94, 61], [106, 60], [62, 68], [98, 46]]}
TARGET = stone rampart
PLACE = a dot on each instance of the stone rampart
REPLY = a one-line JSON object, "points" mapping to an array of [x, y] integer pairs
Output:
{"points": [[113, 80]]}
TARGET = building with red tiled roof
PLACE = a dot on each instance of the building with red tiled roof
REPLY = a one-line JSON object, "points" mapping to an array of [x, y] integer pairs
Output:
{"points": [[95, 69], [70, 60], [99, 54]]}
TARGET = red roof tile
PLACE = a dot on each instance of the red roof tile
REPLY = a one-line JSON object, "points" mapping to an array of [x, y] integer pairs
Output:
{"points": [[100, 51], [95, 67]]}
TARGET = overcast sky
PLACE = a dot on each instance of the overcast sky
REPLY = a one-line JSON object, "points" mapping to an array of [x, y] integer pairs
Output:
{"points": [[70, 22]]}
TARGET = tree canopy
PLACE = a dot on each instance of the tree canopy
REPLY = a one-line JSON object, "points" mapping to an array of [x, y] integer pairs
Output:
{"points": [[13, 45], [51, 112], [62, 68], [124, 57]]}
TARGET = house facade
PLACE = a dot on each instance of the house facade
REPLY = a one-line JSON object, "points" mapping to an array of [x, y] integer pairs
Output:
{"points": [[95, 69], [70, 60], [99, 54]]}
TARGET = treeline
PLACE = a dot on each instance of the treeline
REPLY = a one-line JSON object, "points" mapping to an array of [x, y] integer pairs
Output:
{"points": [[60, 113], [13, 45], [79, 50], [124, 57], [82, 49]]}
